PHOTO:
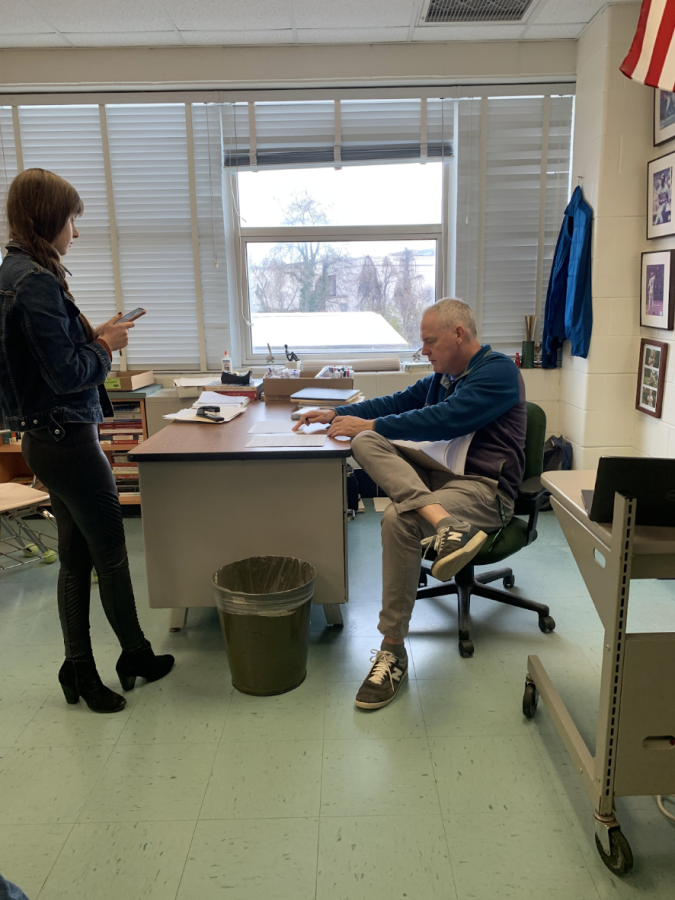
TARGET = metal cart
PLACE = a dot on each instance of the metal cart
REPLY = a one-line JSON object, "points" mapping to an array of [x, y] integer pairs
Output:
{"points": [[19, 544], [635, 747]]}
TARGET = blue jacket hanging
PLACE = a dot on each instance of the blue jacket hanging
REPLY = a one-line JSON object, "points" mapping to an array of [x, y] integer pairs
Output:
{"points": [[569, 309]]}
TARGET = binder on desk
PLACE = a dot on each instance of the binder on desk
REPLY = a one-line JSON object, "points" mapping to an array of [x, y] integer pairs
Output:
{"points": [[327, 396]]}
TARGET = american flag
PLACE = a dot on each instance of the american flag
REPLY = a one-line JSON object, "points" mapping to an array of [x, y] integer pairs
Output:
{"points": [[651, 58]]}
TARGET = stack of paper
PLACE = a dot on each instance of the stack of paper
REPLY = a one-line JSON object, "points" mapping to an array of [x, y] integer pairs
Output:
{"points": [[211, 398], [190, 415]]}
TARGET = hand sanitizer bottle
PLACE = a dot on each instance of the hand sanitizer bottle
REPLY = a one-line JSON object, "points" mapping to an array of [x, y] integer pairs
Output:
{"points": [[226, 363]]}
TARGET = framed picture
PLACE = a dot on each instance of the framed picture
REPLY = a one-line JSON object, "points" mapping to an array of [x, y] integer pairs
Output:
{"points": [[660, 213], [664, 116], [657, 289], [651, 377]]}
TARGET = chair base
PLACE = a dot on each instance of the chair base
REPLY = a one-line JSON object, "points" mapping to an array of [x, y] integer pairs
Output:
{"points": [[466, 583]]}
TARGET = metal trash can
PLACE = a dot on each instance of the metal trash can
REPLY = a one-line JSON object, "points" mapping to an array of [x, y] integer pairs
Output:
{"points": [[264, 604]]}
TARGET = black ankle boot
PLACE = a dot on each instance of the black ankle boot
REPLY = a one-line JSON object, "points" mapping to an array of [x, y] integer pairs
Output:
{"points": [[142, 664], [79, 678]]}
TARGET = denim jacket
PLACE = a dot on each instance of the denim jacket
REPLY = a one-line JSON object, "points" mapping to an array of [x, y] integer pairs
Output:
{"points": [[49, 374]]}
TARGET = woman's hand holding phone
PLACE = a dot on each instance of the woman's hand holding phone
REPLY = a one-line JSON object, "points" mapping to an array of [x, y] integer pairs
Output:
{"points": [[115, 332]]}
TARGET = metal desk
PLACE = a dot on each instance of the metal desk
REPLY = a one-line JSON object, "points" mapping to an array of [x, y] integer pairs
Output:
{"points": [[208, 500], [635, 748]]}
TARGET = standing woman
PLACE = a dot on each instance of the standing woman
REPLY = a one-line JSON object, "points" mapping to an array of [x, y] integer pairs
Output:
{"points": [[52, 368]]}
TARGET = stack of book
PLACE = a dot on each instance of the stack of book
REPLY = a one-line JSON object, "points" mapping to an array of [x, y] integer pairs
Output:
{"points": [[192, 387], [126, 475], [125, 426], [320, 396]]}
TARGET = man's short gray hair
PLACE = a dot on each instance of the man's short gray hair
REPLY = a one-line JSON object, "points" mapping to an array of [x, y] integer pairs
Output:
{"points": [[452, 312]]}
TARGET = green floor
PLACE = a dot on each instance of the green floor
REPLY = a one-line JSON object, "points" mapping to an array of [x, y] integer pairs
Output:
{"points": [[197, 792]]}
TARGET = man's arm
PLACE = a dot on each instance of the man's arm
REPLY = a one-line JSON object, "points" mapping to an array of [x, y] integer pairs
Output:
{"points": [[413, 397]]}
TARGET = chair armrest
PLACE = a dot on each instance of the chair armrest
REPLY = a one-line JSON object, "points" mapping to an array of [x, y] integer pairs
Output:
{"points": [[531, 495]]}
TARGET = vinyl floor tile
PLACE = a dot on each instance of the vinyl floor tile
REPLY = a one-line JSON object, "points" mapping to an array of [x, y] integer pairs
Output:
{"points": [[254, 859], [264, 780], [17, 708], [297, 715], [524, 855], [401, 719], [350, 658], [378, 778], [491, 774], [108, 862], [157, 782], [61, 724], [359, 861], [48, 785], [28, 852], [437, 657]]}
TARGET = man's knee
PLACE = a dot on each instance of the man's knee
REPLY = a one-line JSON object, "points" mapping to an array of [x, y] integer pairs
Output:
{"points": [[362, 443]]}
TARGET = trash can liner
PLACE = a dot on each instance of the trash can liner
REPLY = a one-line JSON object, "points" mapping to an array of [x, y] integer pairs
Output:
{"points": [[264, 586]]}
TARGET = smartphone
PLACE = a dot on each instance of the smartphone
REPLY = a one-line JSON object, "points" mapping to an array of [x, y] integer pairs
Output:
{"points": [[133, 315]]}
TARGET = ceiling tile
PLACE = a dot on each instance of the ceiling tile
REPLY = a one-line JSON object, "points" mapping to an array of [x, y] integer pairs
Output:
{"points": [[468, 33], [229, 15], [553, 32], [124, 38], [353, 13], [230, 38], [53, 39], [16, 17], [351, 35], [104, 15], [567, 11]]}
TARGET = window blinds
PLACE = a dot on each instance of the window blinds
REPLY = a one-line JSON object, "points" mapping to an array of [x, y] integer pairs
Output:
{"points": [[7, 168], [67, 140], [334, 132], [148, 159]]}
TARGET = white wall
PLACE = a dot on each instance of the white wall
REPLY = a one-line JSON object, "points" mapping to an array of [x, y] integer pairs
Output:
{"points": [[612, 145]]}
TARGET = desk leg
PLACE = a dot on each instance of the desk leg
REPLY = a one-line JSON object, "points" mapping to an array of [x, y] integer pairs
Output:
{"points": [[178, 618], [333, 614]]}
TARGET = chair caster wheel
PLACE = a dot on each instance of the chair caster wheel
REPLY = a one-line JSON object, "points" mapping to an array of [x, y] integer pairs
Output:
{"points": [[509, 581], [620, 859], [547, 624], [530, 700], [466, 649]]}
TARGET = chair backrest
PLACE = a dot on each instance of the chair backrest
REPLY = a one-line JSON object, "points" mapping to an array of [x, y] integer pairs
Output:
{"points": [[534, 440]]}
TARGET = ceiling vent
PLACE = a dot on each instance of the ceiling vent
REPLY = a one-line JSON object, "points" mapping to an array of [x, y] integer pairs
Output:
{"points": [[441, 12]]}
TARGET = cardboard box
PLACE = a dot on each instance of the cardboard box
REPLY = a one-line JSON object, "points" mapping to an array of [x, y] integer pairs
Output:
{"points": [[129, 381], [282, 388]]}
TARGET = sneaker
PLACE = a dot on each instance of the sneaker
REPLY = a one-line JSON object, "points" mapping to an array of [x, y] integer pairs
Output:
{"points": [[382, 681], [455, 546]]}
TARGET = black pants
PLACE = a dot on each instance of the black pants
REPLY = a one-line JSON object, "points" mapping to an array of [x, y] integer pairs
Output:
{"points": [[80, 482]]}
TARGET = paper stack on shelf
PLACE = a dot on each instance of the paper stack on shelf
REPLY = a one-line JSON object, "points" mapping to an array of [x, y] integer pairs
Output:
{"points": [[125, 426]]}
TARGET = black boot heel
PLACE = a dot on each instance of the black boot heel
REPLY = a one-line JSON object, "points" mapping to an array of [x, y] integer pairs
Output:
{"points": [[127, 682], [70, 694], [142, 664], [79, 678]]}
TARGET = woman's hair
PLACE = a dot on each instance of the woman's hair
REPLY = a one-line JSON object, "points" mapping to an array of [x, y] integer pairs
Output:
{"points": [[39, 204]]}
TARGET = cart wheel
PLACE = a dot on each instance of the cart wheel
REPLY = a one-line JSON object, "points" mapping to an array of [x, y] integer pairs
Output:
{"points": [[31, 550], [530, 700], [509, 581], [547, 624], [49, 556], [466, 649], [620, 860]]}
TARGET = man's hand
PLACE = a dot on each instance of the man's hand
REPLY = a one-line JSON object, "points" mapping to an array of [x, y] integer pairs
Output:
{"points": [[322, 416], [349, 426]]}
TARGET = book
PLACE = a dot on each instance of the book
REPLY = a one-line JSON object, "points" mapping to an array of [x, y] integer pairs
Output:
{"points": [[332, 396], [327, 404]]}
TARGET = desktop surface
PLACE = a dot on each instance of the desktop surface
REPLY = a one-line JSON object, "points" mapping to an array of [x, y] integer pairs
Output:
{"points": [[194, 441]]}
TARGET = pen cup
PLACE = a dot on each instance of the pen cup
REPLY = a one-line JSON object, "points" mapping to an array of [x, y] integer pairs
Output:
{"points": [[528, 355]]}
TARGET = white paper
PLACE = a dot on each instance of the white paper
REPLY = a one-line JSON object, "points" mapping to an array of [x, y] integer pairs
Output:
{"points": [[287, 440], [213, 398], [284, 428], [190, 415], [451, 454], [195, 382]]}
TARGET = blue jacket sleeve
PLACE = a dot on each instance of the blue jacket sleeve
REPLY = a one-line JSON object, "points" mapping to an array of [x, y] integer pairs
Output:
{"points": [[413, 397], [488, 393], [66, 366]]}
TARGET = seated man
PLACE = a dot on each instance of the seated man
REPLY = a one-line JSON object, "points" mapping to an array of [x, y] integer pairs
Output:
{"points": [[472, 410]]}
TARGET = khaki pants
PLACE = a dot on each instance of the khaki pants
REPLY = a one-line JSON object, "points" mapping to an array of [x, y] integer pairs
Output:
{"points": [[466, 498]]}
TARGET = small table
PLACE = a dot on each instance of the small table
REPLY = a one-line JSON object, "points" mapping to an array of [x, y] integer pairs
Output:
{"points": [[209, 500], [635, 747]]}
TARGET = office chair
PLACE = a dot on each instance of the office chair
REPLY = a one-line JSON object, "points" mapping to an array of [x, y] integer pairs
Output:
{"points": [[516, 535]]}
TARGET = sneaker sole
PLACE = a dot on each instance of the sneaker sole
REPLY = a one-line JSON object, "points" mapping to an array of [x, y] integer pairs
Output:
{"points": [[362, 705], [446, 568]]}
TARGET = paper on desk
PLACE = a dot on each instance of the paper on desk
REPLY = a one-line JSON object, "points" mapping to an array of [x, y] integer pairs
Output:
{"points": [[213, 398], [284, 428], [287, 440], [196, 382], [190, 415]]}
